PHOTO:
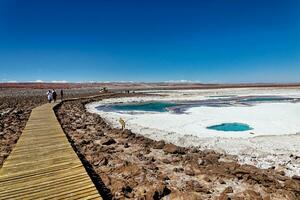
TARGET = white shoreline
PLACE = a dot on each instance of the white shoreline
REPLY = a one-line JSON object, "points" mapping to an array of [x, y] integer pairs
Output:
{"points": [[271, 145]]}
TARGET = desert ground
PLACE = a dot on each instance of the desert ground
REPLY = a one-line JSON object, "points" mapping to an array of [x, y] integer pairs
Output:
{"points": [[272, 140], [129, 165]]}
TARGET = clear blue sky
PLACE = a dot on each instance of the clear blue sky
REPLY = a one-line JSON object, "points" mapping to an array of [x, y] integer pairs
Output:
{"points": [[157, 40]]}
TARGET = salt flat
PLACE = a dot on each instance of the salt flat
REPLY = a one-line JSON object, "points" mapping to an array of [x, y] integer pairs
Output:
{"points": [[274, 140]]}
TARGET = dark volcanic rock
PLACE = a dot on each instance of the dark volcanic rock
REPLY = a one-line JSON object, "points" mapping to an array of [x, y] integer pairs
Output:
{"points": [[160, 192], [173, 149], [189, 171], [109, 141], [159, 145], [296, 177], [126, 145]]}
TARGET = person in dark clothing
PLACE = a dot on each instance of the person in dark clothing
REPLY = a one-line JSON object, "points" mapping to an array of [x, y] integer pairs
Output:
{"points": [[61, 94], [54, 95], [49, 96]]}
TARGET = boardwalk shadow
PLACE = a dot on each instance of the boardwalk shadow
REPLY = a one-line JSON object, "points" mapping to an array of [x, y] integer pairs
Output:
{"points": [[101, 187], [99, 184]]}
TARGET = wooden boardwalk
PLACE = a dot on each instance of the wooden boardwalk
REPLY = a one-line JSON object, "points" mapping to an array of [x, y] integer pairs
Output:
{"points": [[43, 164]]}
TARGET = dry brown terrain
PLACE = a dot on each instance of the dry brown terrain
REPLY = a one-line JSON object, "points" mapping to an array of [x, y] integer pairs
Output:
{"points": [[130, 166], [15, 109], [127, 165]]}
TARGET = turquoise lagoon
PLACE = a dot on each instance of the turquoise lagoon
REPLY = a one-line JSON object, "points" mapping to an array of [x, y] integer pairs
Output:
{"points": [[179, 107], [146, 107], [266, 99]]}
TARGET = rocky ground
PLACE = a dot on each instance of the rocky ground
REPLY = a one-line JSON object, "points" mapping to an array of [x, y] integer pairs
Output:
{"points": [[14, 113], [15, 109], [126, 165]]}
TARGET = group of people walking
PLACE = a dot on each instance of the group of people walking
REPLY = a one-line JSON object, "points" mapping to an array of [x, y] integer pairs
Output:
{"points": [[52, 95]]}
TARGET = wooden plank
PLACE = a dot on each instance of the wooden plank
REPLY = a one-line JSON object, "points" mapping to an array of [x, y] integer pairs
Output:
{"points": [[43, 164]]}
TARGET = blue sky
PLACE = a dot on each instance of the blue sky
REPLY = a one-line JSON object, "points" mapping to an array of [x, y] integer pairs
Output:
{"points": [[227, 41]]}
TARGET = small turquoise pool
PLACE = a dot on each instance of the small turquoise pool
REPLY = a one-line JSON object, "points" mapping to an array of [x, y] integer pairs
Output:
{"points": [[149, 106], [230, 127]]}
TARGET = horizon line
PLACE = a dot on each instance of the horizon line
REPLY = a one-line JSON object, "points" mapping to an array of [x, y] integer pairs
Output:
{"points": [[149, 82]]}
